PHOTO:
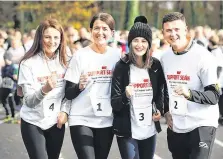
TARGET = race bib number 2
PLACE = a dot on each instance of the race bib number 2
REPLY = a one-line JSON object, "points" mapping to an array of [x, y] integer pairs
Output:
{"points": [[178, 105]]}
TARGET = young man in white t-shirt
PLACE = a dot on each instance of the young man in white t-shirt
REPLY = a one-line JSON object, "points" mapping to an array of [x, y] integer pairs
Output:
{"points": [[191, 75]]}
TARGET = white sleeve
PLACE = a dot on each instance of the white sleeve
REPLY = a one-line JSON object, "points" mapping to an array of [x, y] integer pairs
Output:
{"points": [[32, 97], [208, 70], [66, 106], [74, 70]]}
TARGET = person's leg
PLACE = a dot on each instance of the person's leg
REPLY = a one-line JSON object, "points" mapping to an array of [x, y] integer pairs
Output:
{"points": [[128, 148], [34, 141], [11, 104], [178, 144], [202, 140], [5, 93], [147, 147], [82, 139], [220, 103], [102, 142], [54, 140]]}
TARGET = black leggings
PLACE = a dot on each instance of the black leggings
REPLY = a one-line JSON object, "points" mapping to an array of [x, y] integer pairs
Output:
{"points": [[91, 143], [42, 144], [5, 94]]}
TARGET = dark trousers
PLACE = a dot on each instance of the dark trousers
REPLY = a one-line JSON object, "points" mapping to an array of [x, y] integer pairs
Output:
{"points": [[42, 144], [220, 103], [137, 149], [8, 94], [91, 143], [196, 144]]}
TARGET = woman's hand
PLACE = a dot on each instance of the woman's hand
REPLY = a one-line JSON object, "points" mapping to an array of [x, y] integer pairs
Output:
{"points": [[61, 119]]}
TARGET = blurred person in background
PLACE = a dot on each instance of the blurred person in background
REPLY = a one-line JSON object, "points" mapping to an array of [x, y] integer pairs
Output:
{"points": [[217, 51], [16, 49], [199, 36], [88, 85], [26, 41], [9, 78], [41, 83], [155, 51], [73, 41], [84, 39]]}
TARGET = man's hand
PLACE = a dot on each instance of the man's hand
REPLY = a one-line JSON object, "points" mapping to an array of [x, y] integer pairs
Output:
{"points": [[182, 90], [169, 120]]}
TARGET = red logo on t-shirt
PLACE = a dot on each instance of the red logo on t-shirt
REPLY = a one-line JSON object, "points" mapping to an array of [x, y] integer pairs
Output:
{"points": [[104, 67], [146, 80]]}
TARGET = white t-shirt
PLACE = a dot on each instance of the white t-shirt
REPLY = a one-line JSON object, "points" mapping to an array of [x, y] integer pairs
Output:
{"points": [[142, 125], [33, 74], [195, 69], [92, 106]]}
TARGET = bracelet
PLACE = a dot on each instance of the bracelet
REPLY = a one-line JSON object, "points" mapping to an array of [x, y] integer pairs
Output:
{"points": [[43, 93]]}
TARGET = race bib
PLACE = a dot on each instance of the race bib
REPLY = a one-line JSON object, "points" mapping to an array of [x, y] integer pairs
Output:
{"points": [[7, 83], [143, 115], [178, 105], [51, 107], [101, 105]]}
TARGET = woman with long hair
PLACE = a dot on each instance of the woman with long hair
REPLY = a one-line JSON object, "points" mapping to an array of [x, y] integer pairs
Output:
{"points": [[137, 95], [41, 73]]}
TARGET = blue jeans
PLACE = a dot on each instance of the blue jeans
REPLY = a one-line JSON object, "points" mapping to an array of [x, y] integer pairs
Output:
{"points": [[137, 149]]}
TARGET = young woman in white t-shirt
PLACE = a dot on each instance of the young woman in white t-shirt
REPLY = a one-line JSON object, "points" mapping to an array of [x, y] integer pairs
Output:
{"points": [[137, 95], [41, 73], [88, 83]]}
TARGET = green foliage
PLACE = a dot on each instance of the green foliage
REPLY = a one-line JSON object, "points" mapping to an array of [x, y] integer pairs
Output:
{"points": [[133, 12]]}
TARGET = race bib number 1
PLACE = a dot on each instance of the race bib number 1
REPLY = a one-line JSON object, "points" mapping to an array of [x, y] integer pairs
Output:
{"points": [[143, 115], [178, 105], [101, 105]]}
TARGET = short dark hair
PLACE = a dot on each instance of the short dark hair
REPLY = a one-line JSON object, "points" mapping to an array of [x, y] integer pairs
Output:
{"points": [[173, 16], [105, 17]]}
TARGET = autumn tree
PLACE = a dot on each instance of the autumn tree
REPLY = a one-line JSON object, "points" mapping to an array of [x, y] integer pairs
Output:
{"points": [[75, 13]]}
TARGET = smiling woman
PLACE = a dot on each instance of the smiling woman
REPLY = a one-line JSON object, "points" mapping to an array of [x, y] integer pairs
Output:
{"points": [[88, 83], [41, 73]]}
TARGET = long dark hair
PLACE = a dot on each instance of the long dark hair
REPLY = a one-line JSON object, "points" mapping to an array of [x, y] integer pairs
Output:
{"points": [[39, 46], [38, 41]]}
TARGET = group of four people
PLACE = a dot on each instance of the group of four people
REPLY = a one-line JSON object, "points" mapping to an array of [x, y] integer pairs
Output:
{"points": [[100, 94]]}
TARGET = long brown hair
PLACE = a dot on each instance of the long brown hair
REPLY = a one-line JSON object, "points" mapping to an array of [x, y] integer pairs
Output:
{"points": [[38, 41], [38, 45]]}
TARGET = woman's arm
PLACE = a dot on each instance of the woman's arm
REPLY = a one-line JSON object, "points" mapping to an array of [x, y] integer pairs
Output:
{"points": [[118, 94]]}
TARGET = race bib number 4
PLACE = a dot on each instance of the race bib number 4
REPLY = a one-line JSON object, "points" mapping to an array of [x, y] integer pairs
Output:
{"points": [[101, 105], [51, 107], [178, 105], [143, 115], [7, 83]]}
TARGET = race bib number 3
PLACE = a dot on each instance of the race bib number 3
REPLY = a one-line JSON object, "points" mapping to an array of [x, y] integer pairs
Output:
{"points": [[178, 105], [101, 105], [143, 115]]}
